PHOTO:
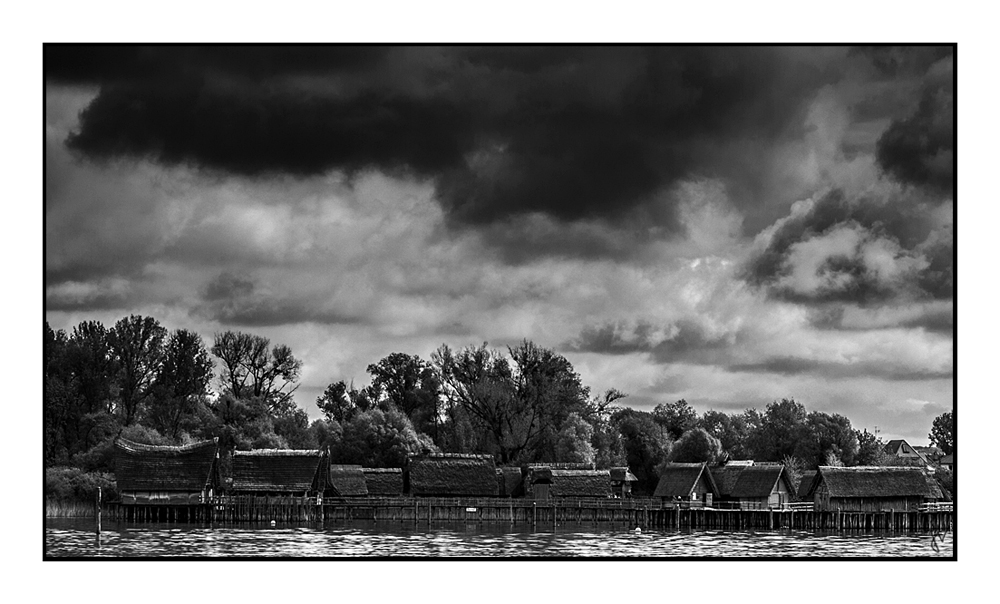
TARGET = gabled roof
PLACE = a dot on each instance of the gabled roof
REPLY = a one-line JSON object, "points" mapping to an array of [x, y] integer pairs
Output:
{"points": [[877, 481], [761, 481], [750, 481], [140, 467], [279, 470], [384, 481], [805, 483], [453, 475], [622, 475], [725, 478], [901, 448], [680, 480], [347, 481], [580, 483]]}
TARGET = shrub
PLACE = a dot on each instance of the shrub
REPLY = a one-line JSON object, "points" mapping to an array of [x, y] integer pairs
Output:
{"points": [[70, 483]]}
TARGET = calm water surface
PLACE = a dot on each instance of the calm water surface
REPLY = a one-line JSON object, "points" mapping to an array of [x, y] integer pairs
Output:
{"points": [[76, 538]]}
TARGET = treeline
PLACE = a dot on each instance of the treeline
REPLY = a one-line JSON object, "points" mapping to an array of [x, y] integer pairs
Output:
{"points": [[522, 404]]}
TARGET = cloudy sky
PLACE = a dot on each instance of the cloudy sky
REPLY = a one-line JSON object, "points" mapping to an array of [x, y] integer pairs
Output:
{"points": [[725, 225]]}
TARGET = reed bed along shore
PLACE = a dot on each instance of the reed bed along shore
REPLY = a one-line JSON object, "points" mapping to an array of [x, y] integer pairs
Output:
{"points": [[59, 508]]}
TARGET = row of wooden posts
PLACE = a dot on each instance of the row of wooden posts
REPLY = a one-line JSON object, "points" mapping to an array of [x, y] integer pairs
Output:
{"points": [[417, 511]]}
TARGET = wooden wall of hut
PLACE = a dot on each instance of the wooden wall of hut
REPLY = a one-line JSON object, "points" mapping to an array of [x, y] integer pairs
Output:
{"points": [[871, 504]]}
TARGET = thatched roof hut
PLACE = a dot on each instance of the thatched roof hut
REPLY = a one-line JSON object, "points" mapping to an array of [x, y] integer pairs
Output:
{"points": [[279, 471], [384, 482], [453, 475], [763, 485], [686, 481], [178, 474], [877, 481], [872, 488], [752, 481], [346, 481]]}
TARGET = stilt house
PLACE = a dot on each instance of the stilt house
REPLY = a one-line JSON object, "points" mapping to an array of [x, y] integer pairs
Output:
{"points": [[279, 472], [452, 475], [346, 481], [156, 474], [621, 482], [754, 487], [384, 482], [687, 482], [545, 482], [873, 489]]}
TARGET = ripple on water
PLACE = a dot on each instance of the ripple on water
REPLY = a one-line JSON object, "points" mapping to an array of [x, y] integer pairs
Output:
{"points": [[76, 538]]}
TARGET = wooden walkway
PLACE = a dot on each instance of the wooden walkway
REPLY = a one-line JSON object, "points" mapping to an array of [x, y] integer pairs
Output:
{"points": [[538, 514]]}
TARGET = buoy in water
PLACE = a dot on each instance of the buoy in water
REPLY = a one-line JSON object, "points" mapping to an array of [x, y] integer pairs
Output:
{"points": [[273, 523], [637, 530]]}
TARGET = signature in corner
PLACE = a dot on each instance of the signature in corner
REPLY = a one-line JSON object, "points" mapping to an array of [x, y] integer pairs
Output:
{"points": [[936, 537]]}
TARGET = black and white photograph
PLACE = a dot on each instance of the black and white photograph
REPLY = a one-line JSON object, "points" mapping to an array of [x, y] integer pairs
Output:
{"points": [[500, 301]]}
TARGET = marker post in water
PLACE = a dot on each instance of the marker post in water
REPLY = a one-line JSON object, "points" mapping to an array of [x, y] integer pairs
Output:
{"points": [[98, 514]]}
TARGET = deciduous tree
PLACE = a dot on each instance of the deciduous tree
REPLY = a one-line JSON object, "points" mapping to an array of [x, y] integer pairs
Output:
{"points": [[676, 418], [412, 386], [136, 344], [251, 368], [696, 445], [942, 433], [181, 383]]}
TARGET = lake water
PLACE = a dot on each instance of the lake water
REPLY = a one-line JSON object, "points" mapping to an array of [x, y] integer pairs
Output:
{"points": [[76, 538]]}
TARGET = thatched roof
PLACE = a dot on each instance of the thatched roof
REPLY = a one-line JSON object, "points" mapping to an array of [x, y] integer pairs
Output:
{"points": [[726, 477], [384, 481], [805, 483], [680, 480], [744, 482], [453, 475], [347, 481], [277, 470], [622, 475], [140, 467], [580, 483], [877, 482], [561, 465], [511, 482], [537, 474]]}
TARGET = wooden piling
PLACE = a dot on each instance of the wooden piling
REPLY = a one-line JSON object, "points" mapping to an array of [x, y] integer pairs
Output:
{"points": [[97, 512]]}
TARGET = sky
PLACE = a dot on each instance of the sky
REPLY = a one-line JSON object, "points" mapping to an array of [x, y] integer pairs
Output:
{"points": [[727, 225]]}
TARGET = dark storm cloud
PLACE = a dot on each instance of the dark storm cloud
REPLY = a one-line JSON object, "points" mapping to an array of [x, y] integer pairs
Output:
{"points": [[683, 341], [90, 299], [104, 64], [935, 319], [898, 222], [568, 132], [896, 61], [920, 149], [831, 370], [237, 299]]}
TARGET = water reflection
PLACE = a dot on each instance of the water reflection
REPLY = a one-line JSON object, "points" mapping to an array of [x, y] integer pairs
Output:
{"points": [[76, 538]]}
